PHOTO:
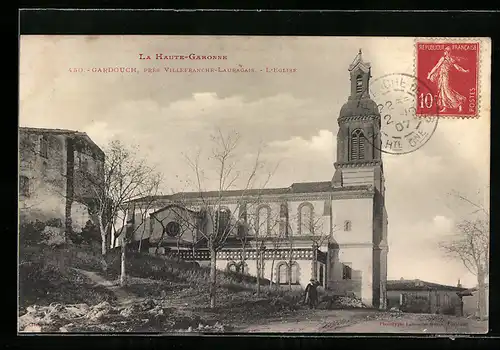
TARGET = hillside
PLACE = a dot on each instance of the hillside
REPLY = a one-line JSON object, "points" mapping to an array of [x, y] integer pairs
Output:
{"points": [[69, 288]]}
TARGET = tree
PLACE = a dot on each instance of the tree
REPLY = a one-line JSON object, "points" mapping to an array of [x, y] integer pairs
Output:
{"points": [[280, 240], [217, 222], [126, 176], [470, 244], [264, 233], [150, 189]]}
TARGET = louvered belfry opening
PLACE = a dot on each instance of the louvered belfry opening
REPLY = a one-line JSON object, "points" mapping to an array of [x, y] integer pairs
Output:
{"points": [[357, 145], [359, 84]]}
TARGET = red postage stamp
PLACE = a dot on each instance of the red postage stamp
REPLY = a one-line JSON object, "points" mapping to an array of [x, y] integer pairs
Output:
{"points": [[447, 74]]}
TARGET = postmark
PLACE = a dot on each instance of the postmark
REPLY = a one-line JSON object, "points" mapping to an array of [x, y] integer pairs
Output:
{"points": [[451, 71], [401, 131]]}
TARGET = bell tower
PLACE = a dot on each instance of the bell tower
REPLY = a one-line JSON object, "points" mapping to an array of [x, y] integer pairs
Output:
{"points": [[359, 164], [359, 159]]}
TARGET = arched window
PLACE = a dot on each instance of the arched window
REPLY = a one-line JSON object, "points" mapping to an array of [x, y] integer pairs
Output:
{"points": [[243, 212], [347, 272], [359, 84], [223, 220], [306, 218], [24, 186], [283, 210], [283, 223], [294, 273], [347, 225], [263, 218], [282, 275], [357, 145]]}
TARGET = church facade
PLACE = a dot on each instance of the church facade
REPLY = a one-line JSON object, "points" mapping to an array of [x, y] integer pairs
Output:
{"points": [[334, 231]]}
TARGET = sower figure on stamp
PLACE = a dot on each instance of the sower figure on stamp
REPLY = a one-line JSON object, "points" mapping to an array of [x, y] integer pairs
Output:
{"points": [[311, 294], [447, 97]]}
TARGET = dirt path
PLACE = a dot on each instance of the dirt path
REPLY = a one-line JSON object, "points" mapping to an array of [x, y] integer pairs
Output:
{"points": [[360, 321], [310, 322], [125, 298], [122, 297]]}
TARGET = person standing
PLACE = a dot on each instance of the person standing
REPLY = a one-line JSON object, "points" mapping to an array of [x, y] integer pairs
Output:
{"points": [[311, 294]]}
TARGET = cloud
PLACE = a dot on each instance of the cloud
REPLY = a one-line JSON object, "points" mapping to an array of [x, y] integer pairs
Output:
{"points": [[322, 144], [101, 133], [442, 223]]}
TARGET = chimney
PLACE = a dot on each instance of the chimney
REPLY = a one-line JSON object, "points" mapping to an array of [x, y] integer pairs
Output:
{"points": [[459, 285]]}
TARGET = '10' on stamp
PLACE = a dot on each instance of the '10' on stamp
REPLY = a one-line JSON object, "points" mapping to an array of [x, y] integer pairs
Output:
{"points": [[448, 79]]}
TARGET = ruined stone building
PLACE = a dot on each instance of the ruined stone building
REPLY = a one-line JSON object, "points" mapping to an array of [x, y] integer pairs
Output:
{"points": [[51, 185], [334, 231]]}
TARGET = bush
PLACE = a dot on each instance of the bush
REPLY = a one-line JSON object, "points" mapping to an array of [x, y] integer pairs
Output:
{"points": [[31, 232], [54, 223], [40, 232], [46, 282], [90, 234]]}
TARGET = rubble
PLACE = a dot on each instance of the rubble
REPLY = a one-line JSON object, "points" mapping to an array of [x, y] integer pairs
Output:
{"points": [[340, 302], [98, 311], [148, 305], [217, 327], [102, 317]]}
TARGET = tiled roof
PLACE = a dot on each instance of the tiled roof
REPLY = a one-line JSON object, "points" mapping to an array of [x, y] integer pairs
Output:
{"points": [[47, 130], [295, 188], [419, 285], [172, 205]]}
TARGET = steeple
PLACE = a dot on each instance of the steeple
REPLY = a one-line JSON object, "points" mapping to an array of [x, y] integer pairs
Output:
{"points": [[360, 72], [358, 138]]}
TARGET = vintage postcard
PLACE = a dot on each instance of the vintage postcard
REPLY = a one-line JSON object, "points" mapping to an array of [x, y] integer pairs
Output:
{"points": [[221, 184]]}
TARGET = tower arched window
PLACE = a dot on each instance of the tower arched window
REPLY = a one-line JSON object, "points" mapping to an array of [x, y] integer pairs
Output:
{"points": [[263, 219], [357, 145], [306, 218], [359, 84]]}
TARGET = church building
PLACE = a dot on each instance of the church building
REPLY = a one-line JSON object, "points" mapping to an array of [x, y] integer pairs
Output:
{"points": [[334, 231]]}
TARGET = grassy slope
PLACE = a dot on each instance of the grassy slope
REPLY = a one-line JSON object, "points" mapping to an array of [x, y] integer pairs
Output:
{"points": [[46, 276]]}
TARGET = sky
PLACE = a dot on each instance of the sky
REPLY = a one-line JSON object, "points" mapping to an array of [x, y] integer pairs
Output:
{"points": [[291, 117]]}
